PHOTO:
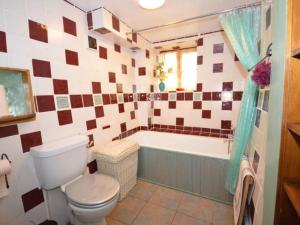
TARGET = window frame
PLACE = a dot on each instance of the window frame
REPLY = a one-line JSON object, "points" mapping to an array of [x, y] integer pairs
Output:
{"points": [[179, 53]]}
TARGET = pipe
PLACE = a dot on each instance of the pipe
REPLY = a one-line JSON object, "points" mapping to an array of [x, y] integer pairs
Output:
{"points": [[195, 18]]}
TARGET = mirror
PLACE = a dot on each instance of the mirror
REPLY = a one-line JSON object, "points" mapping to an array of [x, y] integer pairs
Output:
{"points": [[16, 100]]}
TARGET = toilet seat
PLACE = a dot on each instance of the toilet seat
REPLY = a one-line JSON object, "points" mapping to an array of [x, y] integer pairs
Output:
{"points": [[92, 191]]}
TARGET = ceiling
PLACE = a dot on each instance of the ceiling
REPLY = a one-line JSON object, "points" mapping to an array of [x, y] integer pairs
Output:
{"points": [[174, 10]]}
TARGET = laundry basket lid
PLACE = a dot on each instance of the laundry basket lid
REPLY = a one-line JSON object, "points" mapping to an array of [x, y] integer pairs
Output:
{"points": [[115, 151], [92, 189]]}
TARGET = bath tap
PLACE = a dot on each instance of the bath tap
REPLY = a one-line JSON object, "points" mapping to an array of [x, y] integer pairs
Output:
{"points": [[229, 140]]}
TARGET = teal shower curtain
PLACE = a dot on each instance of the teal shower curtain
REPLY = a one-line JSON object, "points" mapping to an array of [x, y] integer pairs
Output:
{"points": [[242, 28]]}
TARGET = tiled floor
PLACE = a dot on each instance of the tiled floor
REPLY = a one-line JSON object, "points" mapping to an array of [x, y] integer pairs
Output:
{"points": [[150, 204]]}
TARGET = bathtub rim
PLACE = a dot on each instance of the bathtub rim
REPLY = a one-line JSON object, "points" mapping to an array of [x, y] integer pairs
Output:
{"points": [[213, 156]]}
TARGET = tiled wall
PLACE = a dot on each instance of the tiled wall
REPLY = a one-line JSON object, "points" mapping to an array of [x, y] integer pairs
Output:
{"points": [[106, 93], [212, 108], [258, 144], [76, 89]]}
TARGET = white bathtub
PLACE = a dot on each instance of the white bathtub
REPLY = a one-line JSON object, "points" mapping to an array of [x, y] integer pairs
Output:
{"points": [[190, 144]]}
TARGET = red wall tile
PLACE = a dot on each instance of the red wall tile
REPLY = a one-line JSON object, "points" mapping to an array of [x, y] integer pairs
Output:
{"points": [[7, 131], [218, 48], [41, 68], [76, 101], [93, 168], [206, 96], [91, 124], [119, 88], [121, 108], [134, 37], [32, 199], [3, 45], [206, 114], [99, 111], [112, 77], [87, 100], [133, 62], [115, 23], [179, 121], [188, 96], [96, 87], [197, 105], [106, 99], [142, 96], [172, 104], [164, 96], [117, 48], [71, 57], [31, 140], [102, 52], [113, 99], [132, 115], [45, 103], [217, 67], [226, 124], [200, 42], [216, 96], [226, 105], [64, 117], [227, 86], [124, 69], [157, 112], [199, 86], [142, 71], [147, 54], [60, 86], [69, 26], [38, 31], [237, 95], [89, 19], [199, 60], [180, 96], [123, 127]]}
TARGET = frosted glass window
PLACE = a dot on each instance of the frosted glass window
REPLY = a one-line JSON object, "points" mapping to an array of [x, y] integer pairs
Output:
{"points": [[189, 70], [184, 66]]}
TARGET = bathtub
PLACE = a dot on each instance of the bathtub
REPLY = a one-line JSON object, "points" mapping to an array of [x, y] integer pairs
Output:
{"points": [[193, 164]]}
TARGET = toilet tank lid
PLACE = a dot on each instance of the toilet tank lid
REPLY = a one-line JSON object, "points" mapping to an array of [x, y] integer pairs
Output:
{"points": [[59, 146]]}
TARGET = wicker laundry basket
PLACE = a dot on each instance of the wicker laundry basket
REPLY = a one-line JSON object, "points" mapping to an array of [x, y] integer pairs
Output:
{"points": [[120, 160]]}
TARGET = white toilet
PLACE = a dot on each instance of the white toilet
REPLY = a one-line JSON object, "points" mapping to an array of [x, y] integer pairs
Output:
{"points": [[62, 163]]}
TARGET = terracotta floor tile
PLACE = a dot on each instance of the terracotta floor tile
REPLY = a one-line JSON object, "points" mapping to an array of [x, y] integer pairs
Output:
{"points": [[154, 215], [197, 207], [223, 215], [127, 210], [166, 197], [113, 222], [143, 190], [181, 219]]}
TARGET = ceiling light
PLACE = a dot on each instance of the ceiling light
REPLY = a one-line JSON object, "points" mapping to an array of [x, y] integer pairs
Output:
{"points": [[151, 4]]}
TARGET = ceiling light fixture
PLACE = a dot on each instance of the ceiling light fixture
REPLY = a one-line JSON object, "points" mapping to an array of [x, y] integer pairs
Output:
{"points": [[151, 4]]}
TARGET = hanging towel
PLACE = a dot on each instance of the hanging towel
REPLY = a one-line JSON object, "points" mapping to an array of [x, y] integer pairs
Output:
{"points": [[242, 191]]}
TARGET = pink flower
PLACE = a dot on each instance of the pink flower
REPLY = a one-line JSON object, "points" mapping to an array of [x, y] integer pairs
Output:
{"points": [[261, 74]]}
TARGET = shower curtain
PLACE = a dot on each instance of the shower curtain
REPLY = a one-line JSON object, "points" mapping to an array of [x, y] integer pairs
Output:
{"points": [[242, 28]]}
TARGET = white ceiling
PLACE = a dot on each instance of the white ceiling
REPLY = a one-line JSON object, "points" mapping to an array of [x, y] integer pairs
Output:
{"points": [[174, 10]]}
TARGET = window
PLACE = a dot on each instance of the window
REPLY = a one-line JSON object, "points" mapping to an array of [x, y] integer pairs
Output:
{"points": [[184, 69]]}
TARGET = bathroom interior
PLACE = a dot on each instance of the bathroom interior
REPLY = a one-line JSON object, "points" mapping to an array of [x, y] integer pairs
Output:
{"points": [[149, 112]]}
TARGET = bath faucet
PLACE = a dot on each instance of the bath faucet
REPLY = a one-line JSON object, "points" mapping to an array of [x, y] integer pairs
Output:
{"points": [[229, 140]]}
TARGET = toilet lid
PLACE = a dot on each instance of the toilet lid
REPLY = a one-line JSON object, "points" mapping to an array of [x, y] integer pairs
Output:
{"points": [[92, 189]]}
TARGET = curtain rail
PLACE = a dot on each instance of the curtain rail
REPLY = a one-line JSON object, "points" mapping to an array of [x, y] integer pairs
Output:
{"points": [[196, 18]]}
